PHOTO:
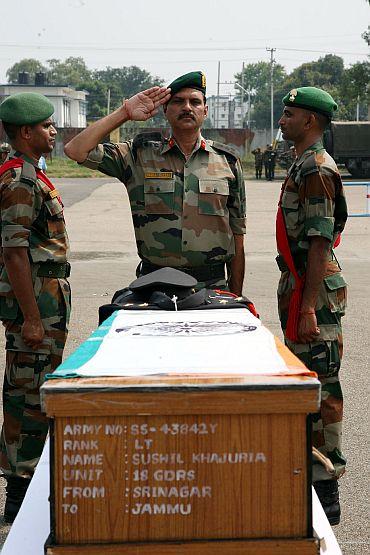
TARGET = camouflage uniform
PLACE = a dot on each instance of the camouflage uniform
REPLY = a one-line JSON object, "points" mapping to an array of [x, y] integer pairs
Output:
{"points": [[31, 217], [314, 205], [184, 212], [258, 162]]}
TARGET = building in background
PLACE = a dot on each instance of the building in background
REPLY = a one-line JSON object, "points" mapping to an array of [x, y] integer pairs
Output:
{"points": [[70, 105], [226, 112]]}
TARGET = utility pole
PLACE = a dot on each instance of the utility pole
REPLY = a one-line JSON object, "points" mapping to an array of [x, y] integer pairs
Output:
{"points": [[242, 98], [358, 108], [248, 92], [218, 94], [272, 61], [108, 103]]}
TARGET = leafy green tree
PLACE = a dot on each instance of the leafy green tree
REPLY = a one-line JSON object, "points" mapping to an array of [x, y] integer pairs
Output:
{"points": [[257, 79], [70, 72], [354, 88], [124, 82], [324, 72], [30, 65]]}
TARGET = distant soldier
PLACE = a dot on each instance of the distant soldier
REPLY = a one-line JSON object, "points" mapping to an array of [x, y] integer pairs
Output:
{"points": [[34, 291], [269, 158], [312, 291], [265, 155], [287, 158], [258, 161], [4, 151], [186, 193]]}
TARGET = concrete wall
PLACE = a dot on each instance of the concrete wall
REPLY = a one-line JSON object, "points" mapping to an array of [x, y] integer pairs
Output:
{"points": [[262, 137]]}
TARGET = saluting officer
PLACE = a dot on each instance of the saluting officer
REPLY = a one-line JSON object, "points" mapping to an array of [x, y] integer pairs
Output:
{"points": [[34, 291], [186, 193]]}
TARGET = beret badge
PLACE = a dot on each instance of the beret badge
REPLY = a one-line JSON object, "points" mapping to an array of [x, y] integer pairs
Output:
{"points": [[292, 95]]}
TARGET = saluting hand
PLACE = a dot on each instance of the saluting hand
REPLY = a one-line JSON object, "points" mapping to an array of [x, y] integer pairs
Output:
{"points": [[144, 105]]}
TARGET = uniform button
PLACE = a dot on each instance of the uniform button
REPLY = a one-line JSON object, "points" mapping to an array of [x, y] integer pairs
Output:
{"points": [[214, 190], [185, 217], [158, 189], [185, 242]]}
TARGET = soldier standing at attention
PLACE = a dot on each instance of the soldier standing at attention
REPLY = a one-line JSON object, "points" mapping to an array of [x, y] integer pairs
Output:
{"points": [[258, 161], [34, 291], [312, 292], [186, 193]]}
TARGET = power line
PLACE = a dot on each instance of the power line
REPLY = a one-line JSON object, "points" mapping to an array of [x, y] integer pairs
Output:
{"points": [[174, 49]]}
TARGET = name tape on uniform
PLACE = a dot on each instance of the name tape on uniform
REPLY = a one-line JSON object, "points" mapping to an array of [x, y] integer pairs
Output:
{"points": [[158, 175]]}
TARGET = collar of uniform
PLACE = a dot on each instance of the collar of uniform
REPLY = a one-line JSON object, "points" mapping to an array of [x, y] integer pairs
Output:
{"points": [[171, 142], [16, 154], [313, 148]]}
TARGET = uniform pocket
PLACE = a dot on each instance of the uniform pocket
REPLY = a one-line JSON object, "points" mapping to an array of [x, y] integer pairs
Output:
{"points": [[159, 196], [336, 290], [213, 194], [55, 219], [290, 205]]}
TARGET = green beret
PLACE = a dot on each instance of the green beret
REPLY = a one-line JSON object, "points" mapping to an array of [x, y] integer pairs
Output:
{"points": [[311, 98], [193, 80], [26, 108]]}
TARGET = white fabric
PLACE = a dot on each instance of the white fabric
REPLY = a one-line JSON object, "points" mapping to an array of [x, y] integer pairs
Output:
{"points": [[214, 341], [31, 528]]}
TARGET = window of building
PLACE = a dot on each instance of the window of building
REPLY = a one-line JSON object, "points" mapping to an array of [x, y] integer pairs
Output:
{"points": [[66, 113], [82, 107]]}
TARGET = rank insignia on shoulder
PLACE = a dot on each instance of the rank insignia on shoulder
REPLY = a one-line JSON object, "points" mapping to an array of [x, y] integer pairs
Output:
{"points": [[293, 93], [158, 175], [54, 193]]}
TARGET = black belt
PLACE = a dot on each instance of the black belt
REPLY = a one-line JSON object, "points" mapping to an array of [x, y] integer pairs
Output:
{"points": [[213, 272], [283, 267], [53, 269], [281, 263]]}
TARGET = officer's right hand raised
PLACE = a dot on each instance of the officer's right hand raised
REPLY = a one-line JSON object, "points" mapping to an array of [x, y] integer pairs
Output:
{"points": [[144, 105]]}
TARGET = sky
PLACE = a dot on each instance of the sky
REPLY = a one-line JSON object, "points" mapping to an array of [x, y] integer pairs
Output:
{"points": [[169, 38]]}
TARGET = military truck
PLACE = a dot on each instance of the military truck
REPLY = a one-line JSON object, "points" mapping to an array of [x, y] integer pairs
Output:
{"points": [[348, 142]]}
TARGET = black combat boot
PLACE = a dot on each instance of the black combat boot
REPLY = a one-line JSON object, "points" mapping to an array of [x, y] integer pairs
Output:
{"points": [[16, 488], [328, 494]]}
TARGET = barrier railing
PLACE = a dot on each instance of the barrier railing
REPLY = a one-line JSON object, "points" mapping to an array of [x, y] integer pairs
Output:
{"points": [[360, 184]]}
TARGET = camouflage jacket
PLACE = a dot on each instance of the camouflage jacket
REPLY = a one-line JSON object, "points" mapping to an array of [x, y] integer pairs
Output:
{"points": [[313, 203], [258, 157], [185, 212], [31, 217]]}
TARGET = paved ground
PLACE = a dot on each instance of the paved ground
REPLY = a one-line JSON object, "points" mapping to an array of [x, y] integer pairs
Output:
{"points": [[104, 259]]}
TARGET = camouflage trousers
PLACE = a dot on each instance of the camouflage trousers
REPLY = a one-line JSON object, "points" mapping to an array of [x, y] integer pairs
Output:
{"points": [[323, 356], [25, 426]]}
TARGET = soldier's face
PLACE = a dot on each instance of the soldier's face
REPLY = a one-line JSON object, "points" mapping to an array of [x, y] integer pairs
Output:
{"points": [[186, 110], [294, 123], [41, 137]]}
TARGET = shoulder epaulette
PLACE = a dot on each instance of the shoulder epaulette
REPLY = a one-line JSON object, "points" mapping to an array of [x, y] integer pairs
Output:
{"points": [[28, 174], [144, 140], [309, 165], [225, 148]]}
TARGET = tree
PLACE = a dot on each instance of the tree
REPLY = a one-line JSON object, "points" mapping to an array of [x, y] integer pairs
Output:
{"points": [[124, 82], [354, 88], [30, 65], [366, 35], [257, 78], [70, 72], [325, 72]]}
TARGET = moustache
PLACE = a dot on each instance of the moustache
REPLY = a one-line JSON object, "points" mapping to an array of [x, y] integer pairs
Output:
{"points": [[181, 116]]}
